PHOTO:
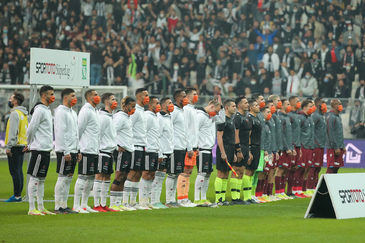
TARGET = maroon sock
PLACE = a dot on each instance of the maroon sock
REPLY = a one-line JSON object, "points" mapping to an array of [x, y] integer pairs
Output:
{"points": [[301, 180], [277, 184], [264, 187], [316, 175], [333, 170], [284, 179], [304, 186], [296, 179], [270, 187], [290, 182], [310, 178]]}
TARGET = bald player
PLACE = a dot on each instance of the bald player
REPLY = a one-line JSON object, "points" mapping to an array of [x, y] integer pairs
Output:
{"points": [[334, 143]]}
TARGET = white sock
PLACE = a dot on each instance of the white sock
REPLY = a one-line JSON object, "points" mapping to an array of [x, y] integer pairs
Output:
{"points": [[113, 198], [59, 191], [175, 186], [104, 192], [198, 185], [40, 193], [170, 180], [134, 192], [97, 192], [161, 178], [119, 198], [79, 187], [149, 190], [127, 192], [205, 187], [87, 189], [142, 191], [157, 187], [66, 192], [32, 191]]}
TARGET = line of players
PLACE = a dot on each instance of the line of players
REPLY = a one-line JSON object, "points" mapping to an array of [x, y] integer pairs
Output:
{"points": [[283, 143], [149, 138]]}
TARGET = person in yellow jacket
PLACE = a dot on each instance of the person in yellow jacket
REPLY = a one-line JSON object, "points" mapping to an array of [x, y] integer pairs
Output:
{"points": [[16, 142]]}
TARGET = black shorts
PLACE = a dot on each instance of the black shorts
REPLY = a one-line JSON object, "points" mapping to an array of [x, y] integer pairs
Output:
{"points": [[123, 161], [150, 162], [165, 162], [66, 167], [177, 162], [88, 164], [204, 161], [245, 153], [255, 151], [39, 163], [221, 164], [105, 163], [138, 157]]}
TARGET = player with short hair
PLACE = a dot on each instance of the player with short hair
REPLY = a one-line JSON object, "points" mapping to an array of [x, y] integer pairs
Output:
{"points": [[40, 144], [295, 126], [225, 151], [334, 142], [267, 146], [208, 117], [139, 129], [254, 149], [319, 142], [153, 152], [242, 134], [16, 143], [107, 146], [123, 157], [192, 136], [286, 153], [180, 142], [306, 140], [66, 147], [88, 127], [167, 149]]}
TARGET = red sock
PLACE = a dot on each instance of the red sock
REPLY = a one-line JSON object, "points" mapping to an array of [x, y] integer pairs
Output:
{"points": [[270, 187], [290, 182], [277, 184], [264, 187], [259, 188], [304, 186], [283, 184]]}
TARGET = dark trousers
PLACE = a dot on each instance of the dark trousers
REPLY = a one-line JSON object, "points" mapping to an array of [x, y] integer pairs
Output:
{"points": [[16, 169]]}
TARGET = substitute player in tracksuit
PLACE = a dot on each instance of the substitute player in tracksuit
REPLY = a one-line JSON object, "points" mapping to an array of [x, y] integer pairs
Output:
{"points": [[286, 153], [107, 146], [208, 117], [319, 122], [121, 187], [40, 144], [167, 149], [66, 147], [334, 143], [88, 126]]}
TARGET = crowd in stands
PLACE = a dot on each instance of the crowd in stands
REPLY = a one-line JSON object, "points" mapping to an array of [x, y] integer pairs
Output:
{"points": [[232, 47]]}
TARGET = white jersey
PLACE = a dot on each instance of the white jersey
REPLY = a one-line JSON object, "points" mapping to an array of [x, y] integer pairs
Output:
{"points": [[139, 126], [40, 131], [167, 133], [207, 127], [191, 122], [153, 134], [66, 131], [178, 122], [107, 135], [88, 124], [123, 127]]}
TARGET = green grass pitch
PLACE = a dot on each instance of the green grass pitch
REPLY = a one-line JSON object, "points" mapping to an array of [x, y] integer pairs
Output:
{"points": [[281, 221]]}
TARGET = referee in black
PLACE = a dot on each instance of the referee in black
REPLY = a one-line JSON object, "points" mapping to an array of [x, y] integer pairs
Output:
{"points": [[225, 151], [255, 141]]}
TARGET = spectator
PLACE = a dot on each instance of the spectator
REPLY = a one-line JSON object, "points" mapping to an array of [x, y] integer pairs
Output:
{"points": [[356, 114], [359, 130], [293, 82], [308, 86], [360, 91]]}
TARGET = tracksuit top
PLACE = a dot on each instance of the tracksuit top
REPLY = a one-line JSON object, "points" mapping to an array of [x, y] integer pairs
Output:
{"points": [[287, 136], [179, 125], [123, 128], [153, 134], [272, 127], [306, 131], [279, 131], [266, 138], [89, 126], [65, 130], [40, 130], [16, 128], [295, 127], [167, 133], [319, 129], [139, 126], [334, 132], [108, 134], [192, 131]]}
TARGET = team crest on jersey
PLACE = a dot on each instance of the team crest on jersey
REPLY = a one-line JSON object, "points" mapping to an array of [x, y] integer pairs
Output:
{"points": [[126, 162], [178, 163], [92, 164], [69, 163], [106, 163], [139, 159], [206, 163]]}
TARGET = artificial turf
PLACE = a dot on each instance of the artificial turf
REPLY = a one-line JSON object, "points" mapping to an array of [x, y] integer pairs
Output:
{"points": [[281, 221]]}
